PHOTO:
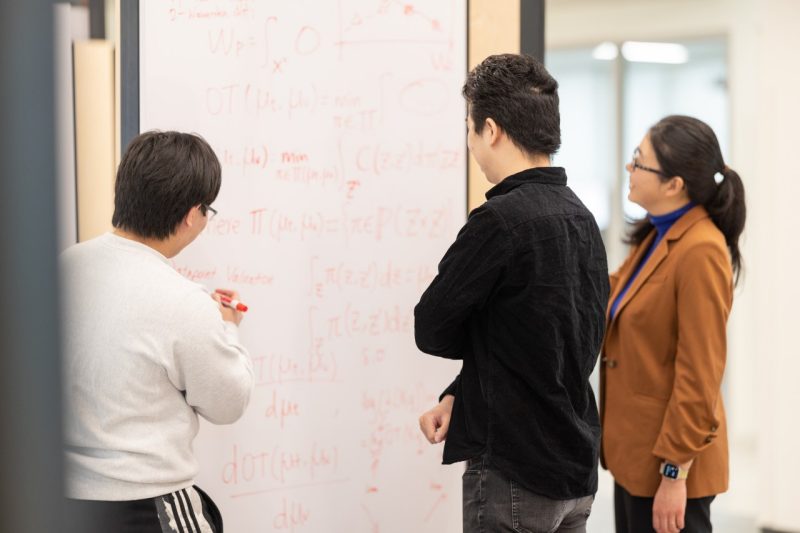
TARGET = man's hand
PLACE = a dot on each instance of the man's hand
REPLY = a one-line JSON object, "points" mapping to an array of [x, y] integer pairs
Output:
{"points": [[228, 314], [434, 423], [669, 506]]}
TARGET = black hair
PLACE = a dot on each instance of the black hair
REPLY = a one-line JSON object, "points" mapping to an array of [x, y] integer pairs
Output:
{"points": [[162, 175], [521, 96], [687, 147]]}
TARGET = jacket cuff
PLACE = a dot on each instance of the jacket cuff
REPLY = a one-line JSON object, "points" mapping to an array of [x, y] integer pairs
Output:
{"points": [[451, 389]]}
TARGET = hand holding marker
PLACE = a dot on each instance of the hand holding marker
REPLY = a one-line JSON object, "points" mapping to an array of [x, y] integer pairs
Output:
{"points": [[227, 301], [233, 304]]}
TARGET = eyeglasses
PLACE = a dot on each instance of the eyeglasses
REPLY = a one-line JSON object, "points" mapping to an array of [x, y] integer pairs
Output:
{"points": [[206, 209], [635, 164]]}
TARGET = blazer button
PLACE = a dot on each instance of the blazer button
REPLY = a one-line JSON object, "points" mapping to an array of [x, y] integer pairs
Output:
{"points": [[611, 363]]}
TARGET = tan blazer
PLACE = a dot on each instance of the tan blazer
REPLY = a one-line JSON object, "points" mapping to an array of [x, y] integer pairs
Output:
{"points": [[663, 359]]}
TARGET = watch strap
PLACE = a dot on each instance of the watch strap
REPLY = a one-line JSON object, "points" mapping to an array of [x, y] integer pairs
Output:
{"points": [[672, 471]]}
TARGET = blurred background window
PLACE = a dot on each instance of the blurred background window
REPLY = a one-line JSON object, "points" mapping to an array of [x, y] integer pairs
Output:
{"points": [[611, 94], [588, 131]]}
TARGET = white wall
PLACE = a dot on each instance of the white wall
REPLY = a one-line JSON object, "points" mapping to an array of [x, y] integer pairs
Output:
{"points": [[774, 250], [764, 77]]}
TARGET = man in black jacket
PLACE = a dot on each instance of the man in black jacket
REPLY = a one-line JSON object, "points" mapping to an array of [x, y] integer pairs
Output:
{"points": [[520, 298]]}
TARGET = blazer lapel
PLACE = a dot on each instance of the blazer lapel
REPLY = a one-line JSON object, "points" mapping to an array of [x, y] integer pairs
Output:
{"points": [[624, 276], [656, 258]]}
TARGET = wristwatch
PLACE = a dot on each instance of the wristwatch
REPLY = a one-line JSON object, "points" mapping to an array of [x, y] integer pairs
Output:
{"points": [[672, 471]]}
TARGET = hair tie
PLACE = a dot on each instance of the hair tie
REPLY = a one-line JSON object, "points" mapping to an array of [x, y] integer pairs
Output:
{"points": [[719, 176]]}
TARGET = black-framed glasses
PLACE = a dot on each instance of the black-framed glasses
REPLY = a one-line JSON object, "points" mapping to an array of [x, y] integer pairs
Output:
{"points": [[208, 209], [635, 164]]}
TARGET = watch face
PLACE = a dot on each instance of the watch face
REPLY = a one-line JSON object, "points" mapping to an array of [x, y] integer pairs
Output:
{"points": [[671, 471]]}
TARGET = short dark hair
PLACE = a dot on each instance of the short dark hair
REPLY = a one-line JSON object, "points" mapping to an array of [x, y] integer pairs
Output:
{"points": [[162, 175], [521, 96], [687, 147]]}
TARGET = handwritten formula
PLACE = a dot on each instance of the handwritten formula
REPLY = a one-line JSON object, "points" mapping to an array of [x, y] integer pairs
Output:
{"points": [[340, 129]]}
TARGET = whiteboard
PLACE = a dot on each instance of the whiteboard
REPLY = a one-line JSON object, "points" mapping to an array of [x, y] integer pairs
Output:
{"points": [[340, 128]]}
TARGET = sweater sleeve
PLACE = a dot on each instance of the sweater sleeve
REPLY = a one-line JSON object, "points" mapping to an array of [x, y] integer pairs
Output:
{"points": [[210, 364], [467, 275], [704, 298]]}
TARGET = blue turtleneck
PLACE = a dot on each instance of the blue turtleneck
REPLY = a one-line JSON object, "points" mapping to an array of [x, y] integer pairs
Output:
{"points": [[662, 224]]}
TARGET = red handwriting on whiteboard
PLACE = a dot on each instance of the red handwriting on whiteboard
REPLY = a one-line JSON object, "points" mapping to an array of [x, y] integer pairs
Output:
{"points": [[352, 113], [255, 156], [234, 275], [379, 159], [345, 111], [380, 403], [292, 516], [322, 364], [389, 434], [262, 99], [245, 157], [372, 276], [222, 99], [352, 185], [238, 98], [280, 465], [374, 224], [375, 526], [280, 408], [443, 61], [362, 120], [240, 276], [372, 356], [275, 369], [195, 274], [439, 498], [308, 174], [226, 41], [381, 407], [381, 25], [308, 41], [222, 226], [356, 321], [200, 11]]}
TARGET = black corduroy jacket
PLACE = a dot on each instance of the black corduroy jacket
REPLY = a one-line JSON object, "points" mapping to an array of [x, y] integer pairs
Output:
{"points": [[520, 298]]}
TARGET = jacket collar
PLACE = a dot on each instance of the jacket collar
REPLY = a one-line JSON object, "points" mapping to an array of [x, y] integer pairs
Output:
{"points": [[678, 229], [689, 219], [543, 175]]}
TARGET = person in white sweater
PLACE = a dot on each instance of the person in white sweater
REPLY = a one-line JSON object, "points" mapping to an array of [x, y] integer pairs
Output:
{"points": [[146, 350]]}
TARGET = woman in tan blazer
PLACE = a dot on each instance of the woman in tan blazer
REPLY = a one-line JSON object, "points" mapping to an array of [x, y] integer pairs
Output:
{"points": [[664, 431]]}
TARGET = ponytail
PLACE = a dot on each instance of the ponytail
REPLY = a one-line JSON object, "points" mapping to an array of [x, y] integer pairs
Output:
{"points": [[728, 211], [687, 147]]}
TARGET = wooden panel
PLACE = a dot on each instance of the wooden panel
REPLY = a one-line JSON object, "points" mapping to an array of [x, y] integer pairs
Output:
{"points": [[94, 136], [493, 29]]}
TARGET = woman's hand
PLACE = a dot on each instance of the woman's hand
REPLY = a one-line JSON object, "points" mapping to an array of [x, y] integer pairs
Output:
{"points": [[669, 506]]}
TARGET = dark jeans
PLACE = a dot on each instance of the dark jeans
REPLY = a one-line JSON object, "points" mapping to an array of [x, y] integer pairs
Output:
{"points": [[494, 504], [634, 514]]}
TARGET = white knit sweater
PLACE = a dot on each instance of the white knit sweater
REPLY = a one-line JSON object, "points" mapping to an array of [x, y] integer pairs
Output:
{"points": [[146, 351]]}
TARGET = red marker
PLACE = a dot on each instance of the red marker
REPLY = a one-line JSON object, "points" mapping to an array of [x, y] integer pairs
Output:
{"points": [[233, 304]]}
